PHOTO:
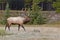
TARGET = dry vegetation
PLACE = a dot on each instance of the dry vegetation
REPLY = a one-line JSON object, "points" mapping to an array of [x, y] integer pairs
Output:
{"points": [[34, 32]]}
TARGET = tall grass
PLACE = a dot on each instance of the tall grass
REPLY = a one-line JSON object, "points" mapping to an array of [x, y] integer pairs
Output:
{"points": [[3, 32]]}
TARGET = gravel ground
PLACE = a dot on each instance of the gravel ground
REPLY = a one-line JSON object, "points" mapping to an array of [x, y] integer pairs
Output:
{"points": [[33, 33]]}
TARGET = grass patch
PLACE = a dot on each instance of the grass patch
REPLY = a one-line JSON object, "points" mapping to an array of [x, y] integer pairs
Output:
{"points": [[3, 32]]}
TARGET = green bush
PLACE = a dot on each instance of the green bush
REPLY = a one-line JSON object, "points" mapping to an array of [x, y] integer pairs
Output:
{"points": [[6, 14], [3, 21], [37, 18], [35, 15], [58, 10]]}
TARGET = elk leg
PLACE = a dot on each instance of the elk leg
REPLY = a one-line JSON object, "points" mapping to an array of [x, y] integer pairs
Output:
{"points": [[9, 27], [23, 28], [6, 26], [18, 27]]}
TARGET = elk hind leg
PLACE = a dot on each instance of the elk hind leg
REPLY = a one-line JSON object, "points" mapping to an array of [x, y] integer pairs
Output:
{"points": [[23, 28], [9, 26], [6, 26]]}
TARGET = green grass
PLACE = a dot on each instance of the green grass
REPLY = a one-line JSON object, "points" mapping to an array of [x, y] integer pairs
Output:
{"points": [[40, 39], [3, 32], [56, 24]]}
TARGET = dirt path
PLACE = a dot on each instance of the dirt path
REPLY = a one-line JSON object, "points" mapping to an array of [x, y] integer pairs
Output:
{"points": [[33, 33]]}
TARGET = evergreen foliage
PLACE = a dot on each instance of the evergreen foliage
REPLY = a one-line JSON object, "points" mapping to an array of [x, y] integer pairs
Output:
{"points": [[57, 5], [6, 14], [35, 15]]}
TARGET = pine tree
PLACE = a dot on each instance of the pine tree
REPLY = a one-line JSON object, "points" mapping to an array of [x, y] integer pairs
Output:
{"points": [[57, 5], [36, 16], [7, 13]]}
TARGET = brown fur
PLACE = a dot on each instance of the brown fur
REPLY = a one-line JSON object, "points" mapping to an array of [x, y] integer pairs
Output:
{"points": [[8, 24]]}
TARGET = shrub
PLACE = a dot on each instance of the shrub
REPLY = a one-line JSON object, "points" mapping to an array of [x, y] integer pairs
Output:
{"points": [[6, 14], [37, 18]]}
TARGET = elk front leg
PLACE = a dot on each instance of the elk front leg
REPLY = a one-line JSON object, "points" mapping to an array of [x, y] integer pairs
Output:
{"points": [[18, 27]]}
